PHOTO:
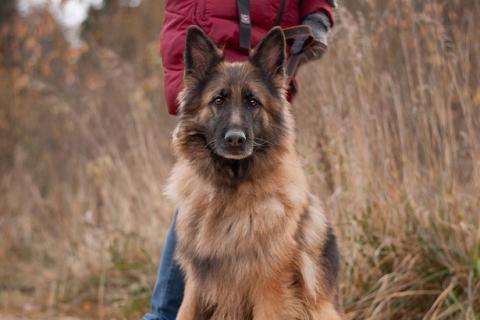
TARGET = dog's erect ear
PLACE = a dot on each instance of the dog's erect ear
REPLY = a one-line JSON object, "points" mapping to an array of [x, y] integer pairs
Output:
{"points": [[269, 54], [201, 54]]}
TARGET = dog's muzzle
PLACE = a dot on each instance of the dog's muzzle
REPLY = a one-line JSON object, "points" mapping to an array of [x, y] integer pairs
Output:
{"points": [[235, 145], [235, 138]]}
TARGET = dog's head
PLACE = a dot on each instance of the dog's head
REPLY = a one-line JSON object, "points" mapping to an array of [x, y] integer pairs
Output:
{"points": [[232, 111]]}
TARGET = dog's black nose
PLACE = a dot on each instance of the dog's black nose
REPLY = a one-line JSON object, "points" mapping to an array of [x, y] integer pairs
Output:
{"points": [[235, 138]]}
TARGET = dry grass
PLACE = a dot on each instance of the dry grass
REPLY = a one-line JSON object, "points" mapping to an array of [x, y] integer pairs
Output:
{"points": [[395, 138], [389, 127]]}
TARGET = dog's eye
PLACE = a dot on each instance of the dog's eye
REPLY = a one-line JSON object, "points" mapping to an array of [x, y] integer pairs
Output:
{"points": [[219, 101], [253, 103]]}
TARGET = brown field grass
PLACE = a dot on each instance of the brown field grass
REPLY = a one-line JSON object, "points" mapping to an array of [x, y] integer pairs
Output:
{"points": [[389, 129]]}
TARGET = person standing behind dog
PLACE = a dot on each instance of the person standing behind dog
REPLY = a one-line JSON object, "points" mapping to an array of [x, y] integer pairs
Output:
{"points": [[236, 26]]}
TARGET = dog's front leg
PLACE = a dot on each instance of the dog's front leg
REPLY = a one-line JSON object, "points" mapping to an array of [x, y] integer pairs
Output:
{"points": [[273, 302], [189, 310], [326, 311]]}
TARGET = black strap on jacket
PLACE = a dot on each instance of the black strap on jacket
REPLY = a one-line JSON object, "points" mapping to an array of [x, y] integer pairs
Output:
{"points": [[245, 23], [281, 9], [290, 33]]}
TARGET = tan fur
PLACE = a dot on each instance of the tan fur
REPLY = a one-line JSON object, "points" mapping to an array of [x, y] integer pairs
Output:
{"points": [[256, 229], [260, 242]]}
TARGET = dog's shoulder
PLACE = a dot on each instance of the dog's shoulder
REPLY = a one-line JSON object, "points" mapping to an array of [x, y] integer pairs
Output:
{"points": [[319, 261]]}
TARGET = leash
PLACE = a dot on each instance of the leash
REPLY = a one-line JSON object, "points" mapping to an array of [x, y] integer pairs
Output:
{"points": [[291, 34]]}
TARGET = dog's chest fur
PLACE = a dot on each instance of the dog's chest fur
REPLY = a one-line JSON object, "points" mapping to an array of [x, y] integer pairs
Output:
{"points": [[238, 233], [228, 239]]}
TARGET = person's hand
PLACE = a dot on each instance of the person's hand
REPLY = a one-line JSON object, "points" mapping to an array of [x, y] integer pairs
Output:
{"points": [[320, 25]]}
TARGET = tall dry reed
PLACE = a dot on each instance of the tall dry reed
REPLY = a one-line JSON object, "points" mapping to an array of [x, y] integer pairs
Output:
{"points": [[389, 123]]}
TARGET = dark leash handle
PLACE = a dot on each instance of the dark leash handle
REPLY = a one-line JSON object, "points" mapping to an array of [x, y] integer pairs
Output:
{"points": [[291, 34]]}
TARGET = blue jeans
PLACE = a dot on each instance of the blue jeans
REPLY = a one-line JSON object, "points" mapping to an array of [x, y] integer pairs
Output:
{"points": [[168, 291]]}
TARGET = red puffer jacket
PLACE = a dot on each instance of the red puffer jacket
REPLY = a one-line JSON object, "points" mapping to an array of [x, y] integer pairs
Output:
{"points": [[219, 19]]}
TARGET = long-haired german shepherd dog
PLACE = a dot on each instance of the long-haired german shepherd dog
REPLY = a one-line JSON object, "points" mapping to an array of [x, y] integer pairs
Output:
{"points": [[252, 241]]}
